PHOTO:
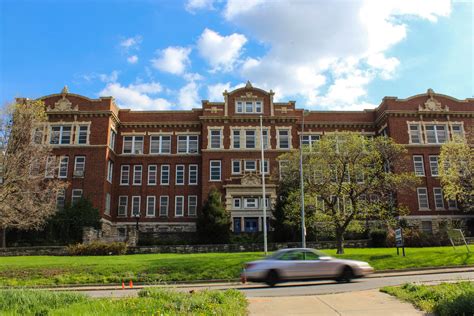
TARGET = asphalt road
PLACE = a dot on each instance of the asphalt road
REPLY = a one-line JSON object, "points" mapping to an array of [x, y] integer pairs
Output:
{"points": [[304, 288]]}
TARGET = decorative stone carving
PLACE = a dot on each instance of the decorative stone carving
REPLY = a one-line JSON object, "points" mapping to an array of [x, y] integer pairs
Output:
{"points": [[432, 105], [63, 104], [248, 85], [250, 179]]}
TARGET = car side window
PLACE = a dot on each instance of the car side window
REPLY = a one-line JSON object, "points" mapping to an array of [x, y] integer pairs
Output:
{"points": [[308, 255], [292, 255]]}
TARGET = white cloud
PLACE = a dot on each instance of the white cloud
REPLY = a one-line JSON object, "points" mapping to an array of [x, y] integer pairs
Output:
{"points": [[194, 5], [132, 59], [214, 92], [131, 42], [221, 52], [327, 52], [189, 96], [136, 96], [173, 59]]}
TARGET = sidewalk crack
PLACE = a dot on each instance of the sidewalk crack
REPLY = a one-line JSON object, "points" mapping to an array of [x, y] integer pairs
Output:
{"points": [[317, 297]]}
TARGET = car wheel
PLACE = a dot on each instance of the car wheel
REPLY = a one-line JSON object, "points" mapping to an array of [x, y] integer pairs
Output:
{"points": [[272, 278], [346, 274]]}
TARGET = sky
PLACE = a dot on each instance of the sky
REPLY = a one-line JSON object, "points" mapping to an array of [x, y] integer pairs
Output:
{"points": [[170, 55]]}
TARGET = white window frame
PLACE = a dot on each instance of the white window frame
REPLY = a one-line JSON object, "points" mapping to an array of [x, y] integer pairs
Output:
{"points": [[436, 135], [124, 209], [188, 141], [280, 138], [237, 205], [137, 169], [159, 139], [255, 107], [61, 199], [250, 161], [165, 169], [266, 166], [162, 198], [113, 136], [151, 173], [79, 167], [60, 135], [193, 172], [110, 170], [236, 133], [107, 204], [452, 205], [134, 148], [80, 132], [216, 166], [417, 160], [247, 138], [180, 197], [132, 207], [182, 171], [124, 180], [438, 194], [76, 195], [192, 205], [412, 132], [425, 193], [63, 167], [237, 162], [247, 204], [212, 138], [434, 162], [150, 202]]}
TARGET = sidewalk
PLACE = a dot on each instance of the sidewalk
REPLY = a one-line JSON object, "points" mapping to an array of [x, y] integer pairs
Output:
{"points": [[371, 302]]}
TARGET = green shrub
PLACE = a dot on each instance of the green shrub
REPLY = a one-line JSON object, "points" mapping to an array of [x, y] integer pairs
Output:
{"points": [[97, 249], [414, 237], [378, 238]]}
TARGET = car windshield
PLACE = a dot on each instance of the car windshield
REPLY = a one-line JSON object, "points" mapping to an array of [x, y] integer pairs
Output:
{"points": [[297, 254]]}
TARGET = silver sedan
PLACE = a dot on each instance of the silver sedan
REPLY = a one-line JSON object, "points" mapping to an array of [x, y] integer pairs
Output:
{"points": [[303, 264]]}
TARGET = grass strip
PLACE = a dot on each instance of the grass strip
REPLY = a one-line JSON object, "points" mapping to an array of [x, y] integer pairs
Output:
{"points": [[443, 299], [153, 301]]}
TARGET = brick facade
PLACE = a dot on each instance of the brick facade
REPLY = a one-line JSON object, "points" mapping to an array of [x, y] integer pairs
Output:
{"points": [[102, 116]]}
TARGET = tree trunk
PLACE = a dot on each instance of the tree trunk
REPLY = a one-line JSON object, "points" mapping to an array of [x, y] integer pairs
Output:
{"points": [[339, 241], [4, 237]]}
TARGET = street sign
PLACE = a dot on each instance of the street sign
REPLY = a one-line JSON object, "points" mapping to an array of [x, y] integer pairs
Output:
{"points": [[399, 241]]}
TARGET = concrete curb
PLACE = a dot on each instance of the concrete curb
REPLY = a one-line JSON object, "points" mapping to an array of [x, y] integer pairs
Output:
{"points": [[234, 282]]}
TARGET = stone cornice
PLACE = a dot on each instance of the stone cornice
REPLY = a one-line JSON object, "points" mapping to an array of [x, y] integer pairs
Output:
{"points": [[317, 124], [250, 118], [161, 124], [417, 113]]}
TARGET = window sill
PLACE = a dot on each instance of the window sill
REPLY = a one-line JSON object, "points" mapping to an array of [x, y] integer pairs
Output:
{"points": [[124, 184], [424, 209]]}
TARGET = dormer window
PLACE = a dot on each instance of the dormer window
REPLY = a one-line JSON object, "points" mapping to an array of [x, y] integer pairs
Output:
{"points": [[248, 107]]}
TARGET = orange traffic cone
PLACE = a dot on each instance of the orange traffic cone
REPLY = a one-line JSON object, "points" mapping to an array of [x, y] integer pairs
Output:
{"points": [[123, 285], [131, 284]]}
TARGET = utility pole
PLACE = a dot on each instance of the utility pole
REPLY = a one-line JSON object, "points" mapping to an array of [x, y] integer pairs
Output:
{"points": [[262, 164]]}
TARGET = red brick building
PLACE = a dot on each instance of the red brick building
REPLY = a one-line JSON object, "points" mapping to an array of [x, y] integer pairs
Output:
{"points": [[162, 164]]}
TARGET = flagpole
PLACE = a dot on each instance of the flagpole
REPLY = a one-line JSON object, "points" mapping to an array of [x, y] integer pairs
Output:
{"points": [[262, 164]]}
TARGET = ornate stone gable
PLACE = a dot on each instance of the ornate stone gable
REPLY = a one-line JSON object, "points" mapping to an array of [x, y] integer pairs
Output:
{"points": [[250, 179], [432, 105], [63, 104]]}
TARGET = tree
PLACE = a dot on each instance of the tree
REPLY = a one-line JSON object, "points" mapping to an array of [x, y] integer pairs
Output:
{"points": [[348, 178], [456, 166], [27, 199], [214, 222]]}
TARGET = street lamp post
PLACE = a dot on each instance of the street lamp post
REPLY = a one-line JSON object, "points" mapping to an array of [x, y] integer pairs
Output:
{"points": [[303, 227], [262, 169]]}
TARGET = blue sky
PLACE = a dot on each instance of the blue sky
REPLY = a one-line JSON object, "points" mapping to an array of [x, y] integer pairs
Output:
{"points": [[151, 55]]}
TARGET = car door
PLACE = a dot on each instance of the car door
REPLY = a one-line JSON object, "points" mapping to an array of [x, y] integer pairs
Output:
{"points": [[292, 265], [315, 267]]}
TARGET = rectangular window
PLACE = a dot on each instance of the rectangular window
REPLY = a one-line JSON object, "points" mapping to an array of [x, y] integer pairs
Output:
{"points": [[165, 174], [150, 206], [125, 175], [434, 166], [110, 171], [61, 199], [266, 168], [239, 107], [310, 141], [179, 206], [249, 107], [258, 106], [137, 175], [418, 165], [193, 175], [250, 202], [436, 134], [236, 139], [283, 139], [415, 137], [438, 198], [82, 134], [250, 139], [423, 203], [250, 165], [107, 204], [265, 138], [452, 205], [66, 135], [456, 131], [113, 136], [236, 167], [60, 134], [76, 196], [63, 164], [188, 144], [133, 145], [135, 206], [122, 206], [427, 227], [164, 202], [160, 144], [192, 205], [152, 174], [216, 139], [236, 203], [180, 174], [215, 167]]}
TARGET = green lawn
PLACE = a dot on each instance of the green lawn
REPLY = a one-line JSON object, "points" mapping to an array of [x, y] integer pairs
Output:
{"points": [[156, 268], [443, 299], [150, 302]]}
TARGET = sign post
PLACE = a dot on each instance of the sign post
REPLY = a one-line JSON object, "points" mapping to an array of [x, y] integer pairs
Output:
{"points": [[399, 241]]}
